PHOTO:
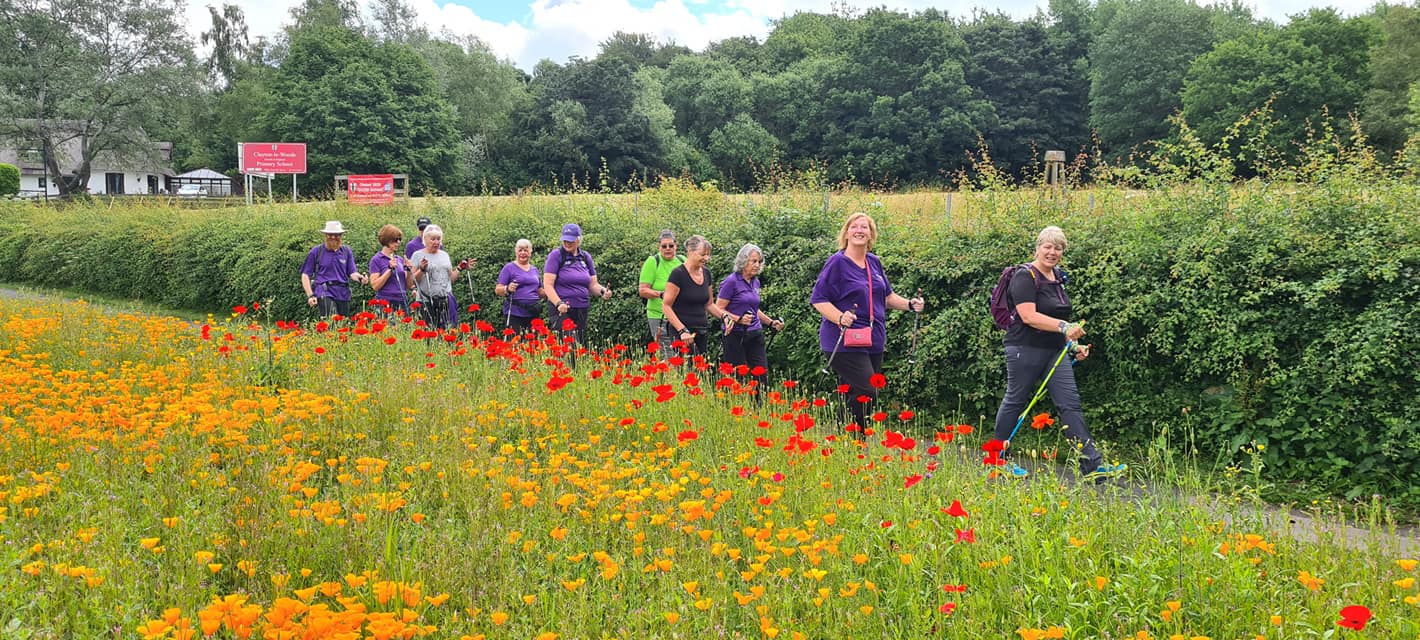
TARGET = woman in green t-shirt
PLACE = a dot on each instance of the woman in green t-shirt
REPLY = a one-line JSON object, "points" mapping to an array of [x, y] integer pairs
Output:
{"points": [[654, 274]]}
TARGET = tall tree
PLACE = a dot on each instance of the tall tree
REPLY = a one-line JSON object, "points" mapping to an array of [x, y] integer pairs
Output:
{"points": [[1318, 61], [80, 74], [1395, 66], [1138, 59], [229, 42], [487, 94], [363, 107], [397, 21]]}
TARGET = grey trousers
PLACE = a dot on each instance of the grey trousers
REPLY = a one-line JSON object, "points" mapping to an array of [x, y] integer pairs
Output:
{"points": [[1025, 366]]}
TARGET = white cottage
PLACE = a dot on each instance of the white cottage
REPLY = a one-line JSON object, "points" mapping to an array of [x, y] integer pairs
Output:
{"points": [[110, 173]]}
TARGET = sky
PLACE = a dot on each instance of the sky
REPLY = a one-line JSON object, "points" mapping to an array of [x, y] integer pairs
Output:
{"points": [[526, 32]]}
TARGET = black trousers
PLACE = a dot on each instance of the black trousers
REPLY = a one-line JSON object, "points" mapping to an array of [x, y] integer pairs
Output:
{"points": [[747, 348], [435, 312], [520, 324], [328, 306], [1025, 367], [856, 369], [578, 315]]}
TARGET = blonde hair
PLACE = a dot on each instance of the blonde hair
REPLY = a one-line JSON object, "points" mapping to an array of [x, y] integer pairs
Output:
{"points": [[1053, 235], [872, 227]]}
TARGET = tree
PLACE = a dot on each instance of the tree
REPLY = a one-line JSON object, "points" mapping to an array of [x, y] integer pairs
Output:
{"points": [[397, 21], [738, 147], [1034, 79], [229, 42], [1316, 63], [363, 107], [1138, 60], [486, 94], [1395, 67], [89, 76]]}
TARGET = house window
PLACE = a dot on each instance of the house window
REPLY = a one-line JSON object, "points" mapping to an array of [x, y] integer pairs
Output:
{"points": [[113, 183], [152, 184], [43, 183]]}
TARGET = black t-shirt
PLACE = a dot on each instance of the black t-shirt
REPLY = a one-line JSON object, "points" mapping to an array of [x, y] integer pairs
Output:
{"points": [[690, 303], [1050, 299]]}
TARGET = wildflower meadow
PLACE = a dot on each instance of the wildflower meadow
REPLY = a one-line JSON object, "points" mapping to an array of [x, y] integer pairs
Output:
{"points": [[250, 477]]}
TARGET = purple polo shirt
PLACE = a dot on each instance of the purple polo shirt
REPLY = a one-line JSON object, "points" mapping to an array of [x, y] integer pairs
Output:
{"points": [[394, 288], [744, 298], [846, 284], [330, 271], [574, 276], [529, 282]]}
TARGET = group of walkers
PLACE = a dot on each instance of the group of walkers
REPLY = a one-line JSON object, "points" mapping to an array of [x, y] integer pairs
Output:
{"points": [[685, 306]]}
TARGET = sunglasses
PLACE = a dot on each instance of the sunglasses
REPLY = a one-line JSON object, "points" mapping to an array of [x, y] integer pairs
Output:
{"points": [[667, 245]]}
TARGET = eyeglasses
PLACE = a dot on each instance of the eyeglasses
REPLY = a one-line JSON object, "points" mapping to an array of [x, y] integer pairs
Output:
{"points": [[667, 245]]}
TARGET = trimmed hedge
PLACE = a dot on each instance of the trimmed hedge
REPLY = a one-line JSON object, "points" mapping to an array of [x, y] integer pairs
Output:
{"points": [[1219, 316]]}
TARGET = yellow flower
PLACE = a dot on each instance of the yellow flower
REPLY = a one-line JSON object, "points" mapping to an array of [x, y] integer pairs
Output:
{"points": [[1406, 564], [866, 609], [530, 598], [1276, 621], [1404, 583], [860, 558], [498, 617], [690, 587], [1309, 581], [1100, 582], [672, 617]]}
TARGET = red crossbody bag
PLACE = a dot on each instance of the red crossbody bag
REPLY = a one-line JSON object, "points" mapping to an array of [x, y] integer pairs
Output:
{"points": [[862, 336]]}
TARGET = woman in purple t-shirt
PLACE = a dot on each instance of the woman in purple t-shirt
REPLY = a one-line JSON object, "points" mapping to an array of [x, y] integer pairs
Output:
{"points": [[327, 272], [521, 286], [852, 292], [388, 275], [569, 279], [745, 321]]}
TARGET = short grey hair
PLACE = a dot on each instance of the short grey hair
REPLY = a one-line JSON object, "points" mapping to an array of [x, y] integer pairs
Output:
{"points": [[1053, 235], [666, 234], [694, 243], [742, 258], [522, 242], [432, 231]]}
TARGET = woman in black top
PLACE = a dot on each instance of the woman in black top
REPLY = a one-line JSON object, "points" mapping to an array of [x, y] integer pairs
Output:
{"points": [[1039, 332], [689, 301]]}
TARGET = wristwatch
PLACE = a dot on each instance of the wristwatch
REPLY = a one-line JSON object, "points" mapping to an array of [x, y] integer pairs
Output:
{"points": [[1064, 327]]}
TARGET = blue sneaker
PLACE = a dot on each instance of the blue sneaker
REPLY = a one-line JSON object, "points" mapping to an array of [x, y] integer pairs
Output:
{"points": [[1107, 470], [1014, 470]]}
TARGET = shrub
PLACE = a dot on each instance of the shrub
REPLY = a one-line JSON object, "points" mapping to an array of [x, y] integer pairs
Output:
{"points": [[9, 180]]}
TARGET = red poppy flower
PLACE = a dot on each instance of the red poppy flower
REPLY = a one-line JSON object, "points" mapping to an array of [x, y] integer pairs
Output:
{"points": [[878, 381], [239, 310], [687, 436], [905, 415], [879, 416], [473, 308], [947, 608], [322, 326], [955, 510], [1041, 421], [320, 350], [803, 422], [954, 588], [763, 442], [1354, 617], [737, 411], [933, 450], [911, 480], [886, 524], [757, 371], [964, 429], [842, 388], [993, 446], [966, 535], [790, 384]]}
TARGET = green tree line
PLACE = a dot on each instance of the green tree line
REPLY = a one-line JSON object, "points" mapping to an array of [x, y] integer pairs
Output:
{"points": [[874, 98]]}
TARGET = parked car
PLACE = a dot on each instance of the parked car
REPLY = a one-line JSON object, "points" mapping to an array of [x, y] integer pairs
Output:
{"points": [[192, 191]]}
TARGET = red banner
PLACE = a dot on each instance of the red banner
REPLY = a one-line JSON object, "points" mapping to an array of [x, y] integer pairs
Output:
{"points": [[272, 157], [370, 189]]}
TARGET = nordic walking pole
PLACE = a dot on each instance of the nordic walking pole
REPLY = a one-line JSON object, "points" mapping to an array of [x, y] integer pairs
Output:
{"points": [[916, 318], [838, 344], [1039, 392]]}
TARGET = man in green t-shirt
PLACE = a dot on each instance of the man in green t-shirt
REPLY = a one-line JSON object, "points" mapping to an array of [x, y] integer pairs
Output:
{"points": [[654, 273]]}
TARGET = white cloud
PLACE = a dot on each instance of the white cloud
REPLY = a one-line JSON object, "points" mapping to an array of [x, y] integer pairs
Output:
{"points": [[560, 29]]}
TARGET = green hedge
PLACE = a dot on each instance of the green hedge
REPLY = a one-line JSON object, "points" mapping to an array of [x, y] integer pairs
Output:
{"points": [[1285, 317]]}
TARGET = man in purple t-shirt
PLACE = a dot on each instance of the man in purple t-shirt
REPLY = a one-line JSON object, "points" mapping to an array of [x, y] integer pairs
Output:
{"points": [[327, 272]]}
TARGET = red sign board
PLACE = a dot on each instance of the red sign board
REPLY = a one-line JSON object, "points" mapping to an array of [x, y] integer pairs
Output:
{"points": [[370, 189], [272, 157]]}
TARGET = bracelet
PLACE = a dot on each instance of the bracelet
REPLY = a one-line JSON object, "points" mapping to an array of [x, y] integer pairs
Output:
{"points": [[840, 317]]}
